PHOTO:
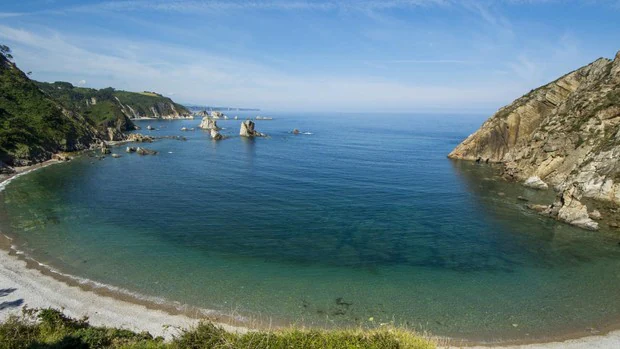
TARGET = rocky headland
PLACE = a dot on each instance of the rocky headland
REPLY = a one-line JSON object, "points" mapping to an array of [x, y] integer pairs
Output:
{"points": [[40, 119], [565, 134]]}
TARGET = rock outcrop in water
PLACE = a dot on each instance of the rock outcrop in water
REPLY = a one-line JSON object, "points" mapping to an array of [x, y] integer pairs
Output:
{"points": [[208, 124], [216, 136], [247, 130], [145, 151], [565, 134], [569, 209]]}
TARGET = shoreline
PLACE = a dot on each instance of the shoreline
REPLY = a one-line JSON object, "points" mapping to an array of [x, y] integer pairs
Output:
{"points": [[29, 283]]}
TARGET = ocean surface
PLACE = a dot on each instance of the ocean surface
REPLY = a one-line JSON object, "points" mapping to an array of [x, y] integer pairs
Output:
{"points": [[361, 220]]}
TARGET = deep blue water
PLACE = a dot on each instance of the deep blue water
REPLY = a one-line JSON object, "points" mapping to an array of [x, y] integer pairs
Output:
{"points": [[363, 218]]}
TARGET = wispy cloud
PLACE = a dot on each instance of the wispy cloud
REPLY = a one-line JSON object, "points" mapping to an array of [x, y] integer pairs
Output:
{"points": [[11, 14], [431, 61], [235, 5], [213, 79]]}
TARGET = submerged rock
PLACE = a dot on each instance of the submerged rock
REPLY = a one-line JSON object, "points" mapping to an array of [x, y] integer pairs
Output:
{"points": [[295, 131], [535, 182], [130, 150], [247, 130], [150, 128], [114, 155]]}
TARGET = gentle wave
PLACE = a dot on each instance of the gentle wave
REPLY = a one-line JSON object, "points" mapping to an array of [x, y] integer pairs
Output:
{"points": [[121, 291], [9, 180]]}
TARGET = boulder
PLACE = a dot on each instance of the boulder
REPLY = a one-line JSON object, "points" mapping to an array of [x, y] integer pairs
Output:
{"points": [[116, 156], [295, 131], [6, 169], [567, 208], [61, 157], [130, 150], [139, 138], [150, 128], [105, 150], [183, 128], [247, 130], [536, 183], [145, 151], [208, 124], [216, 136], [596, 214]]}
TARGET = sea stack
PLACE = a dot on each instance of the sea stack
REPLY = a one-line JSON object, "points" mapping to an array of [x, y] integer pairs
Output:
{"points": [[247, 130], [208, 124], [216, 136]]}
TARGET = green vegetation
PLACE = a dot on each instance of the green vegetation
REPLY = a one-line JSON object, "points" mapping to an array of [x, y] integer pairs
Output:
{"points": [[49, 328], [32, 126], [107, 104], [38, 119]]}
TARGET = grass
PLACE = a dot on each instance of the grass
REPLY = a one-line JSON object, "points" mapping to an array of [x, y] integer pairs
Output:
{"points": [[48, 328]]}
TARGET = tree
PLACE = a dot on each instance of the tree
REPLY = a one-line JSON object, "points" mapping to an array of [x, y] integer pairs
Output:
{"points": [[6, 52]]}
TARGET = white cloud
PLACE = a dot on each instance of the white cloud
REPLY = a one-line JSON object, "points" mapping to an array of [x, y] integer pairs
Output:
{"points": [[81, 83], [200, 77]]}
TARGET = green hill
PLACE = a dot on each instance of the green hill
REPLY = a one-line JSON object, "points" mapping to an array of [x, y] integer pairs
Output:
{"points": [[32, 125], [104, 104], [38, 119]]}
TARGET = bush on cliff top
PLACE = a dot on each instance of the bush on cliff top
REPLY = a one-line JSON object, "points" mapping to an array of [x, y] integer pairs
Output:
{"points": [[48, 328]]}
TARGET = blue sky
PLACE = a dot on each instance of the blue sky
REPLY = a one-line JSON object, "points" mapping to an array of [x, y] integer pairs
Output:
{"points": [[395, 55]]}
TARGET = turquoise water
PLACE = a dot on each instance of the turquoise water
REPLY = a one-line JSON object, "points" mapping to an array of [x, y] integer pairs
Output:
{"points": [[363, 218]]}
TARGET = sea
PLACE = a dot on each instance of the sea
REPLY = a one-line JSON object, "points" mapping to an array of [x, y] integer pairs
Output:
{"points": [[360, 220]]}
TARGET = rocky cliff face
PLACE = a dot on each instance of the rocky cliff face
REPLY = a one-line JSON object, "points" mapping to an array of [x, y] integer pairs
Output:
{"points": [[567, 133]]}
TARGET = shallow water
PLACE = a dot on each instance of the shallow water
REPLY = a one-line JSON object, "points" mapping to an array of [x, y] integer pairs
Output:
{"points": [[364, 218]]}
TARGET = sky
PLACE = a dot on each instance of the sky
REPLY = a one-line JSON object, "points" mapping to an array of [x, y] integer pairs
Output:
{"points": [[367, 55]]}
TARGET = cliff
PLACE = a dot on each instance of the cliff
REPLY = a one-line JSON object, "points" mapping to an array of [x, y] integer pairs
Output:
{"points": [[38, 119], [566, 132], [100, 104]]}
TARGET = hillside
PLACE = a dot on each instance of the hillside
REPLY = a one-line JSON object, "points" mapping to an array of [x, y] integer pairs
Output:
{"points": [[101, 105], [566, 133], [32, 125], [38, 119]]}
